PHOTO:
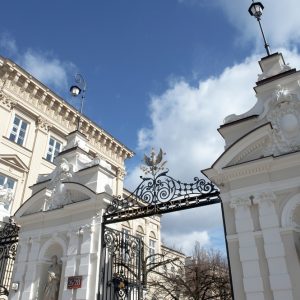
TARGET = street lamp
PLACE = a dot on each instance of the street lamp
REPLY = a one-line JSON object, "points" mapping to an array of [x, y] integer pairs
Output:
{"points": [[79, 88], [255, 10]]}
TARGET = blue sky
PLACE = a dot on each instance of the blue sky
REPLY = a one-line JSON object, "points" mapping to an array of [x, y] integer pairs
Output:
{"points": [[160, 73]]}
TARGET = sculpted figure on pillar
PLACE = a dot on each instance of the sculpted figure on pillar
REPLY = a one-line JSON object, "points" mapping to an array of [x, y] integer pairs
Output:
{"points": [[53, 281]]}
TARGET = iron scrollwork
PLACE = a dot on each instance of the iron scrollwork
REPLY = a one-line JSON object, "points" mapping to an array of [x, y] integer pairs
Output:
{"points": [[160, 193], [122, 272], [8, 250]]}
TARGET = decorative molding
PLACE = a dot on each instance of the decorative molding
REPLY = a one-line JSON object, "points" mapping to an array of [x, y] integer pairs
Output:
{"points": [[42, 124], [121, 173], [266, 197], [240, 201], [288, 212], [7, 102], [260, 144], [238, 171], [284, 113], [30, 90]]}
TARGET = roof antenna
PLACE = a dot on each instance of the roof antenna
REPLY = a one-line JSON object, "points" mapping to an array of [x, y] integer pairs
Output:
{"points": [[255, 10]]}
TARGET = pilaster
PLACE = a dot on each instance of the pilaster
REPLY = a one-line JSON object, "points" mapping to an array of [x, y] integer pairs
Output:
{"points": [[252, 279], [29, 280], [70, 262], [274, 249], [20, 267], [86, 262], [40, 142], [120, 180]]}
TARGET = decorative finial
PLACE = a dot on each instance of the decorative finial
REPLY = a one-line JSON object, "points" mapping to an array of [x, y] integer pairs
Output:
{"points": [[154, 163], [255, 10]]}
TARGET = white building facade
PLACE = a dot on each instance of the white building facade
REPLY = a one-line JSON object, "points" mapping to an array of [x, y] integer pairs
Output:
{"points": [[57, 183], [259, 179]]}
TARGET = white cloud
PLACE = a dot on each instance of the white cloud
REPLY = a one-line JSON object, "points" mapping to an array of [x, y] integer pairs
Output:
{"points": [[42, 65], [280, 21], [49, 70], [184, 121], [186, 242], [185, 118]]}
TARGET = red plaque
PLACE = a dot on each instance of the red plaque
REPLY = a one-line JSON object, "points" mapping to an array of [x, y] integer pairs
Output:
{"points": [[74, 282]]}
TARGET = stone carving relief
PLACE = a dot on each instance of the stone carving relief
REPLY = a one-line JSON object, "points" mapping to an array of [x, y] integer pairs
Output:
{"points": [[284, 114], [42, 124], [59, 196], [7, 102], [53, 280], [121, 173], [290, 216], [6, 196]]}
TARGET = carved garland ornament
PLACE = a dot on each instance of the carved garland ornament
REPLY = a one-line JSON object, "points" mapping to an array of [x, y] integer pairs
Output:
{"points": [[42, 124], [284, 114], [7, 102]]}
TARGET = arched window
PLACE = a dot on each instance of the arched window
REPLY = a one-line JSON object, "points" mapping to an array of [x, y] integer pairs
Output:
{"points": [[140, 232]]}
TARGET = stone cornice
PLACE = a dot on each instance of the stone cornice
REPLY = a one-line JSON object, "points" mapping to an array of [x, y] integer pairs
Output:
{"points": [[252, 168], [17, 82]]}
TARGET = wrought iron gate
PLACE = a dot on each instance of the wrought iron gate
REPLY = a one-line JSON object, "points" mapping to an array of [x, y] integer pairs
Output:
{"points": [[158, 193], [121, 265], [8, 249]]}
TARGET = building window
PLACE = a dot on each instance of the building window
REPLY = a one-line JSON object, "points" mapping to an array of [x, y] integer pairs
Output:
{"points": [[140, 232], [18, 131], [54, 147], [7, 182], [152, 250]]}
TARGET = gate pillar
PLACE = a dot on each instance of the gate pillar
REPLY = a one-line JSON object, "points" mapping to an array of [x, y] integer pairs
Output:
{"points": [[261, 164]]}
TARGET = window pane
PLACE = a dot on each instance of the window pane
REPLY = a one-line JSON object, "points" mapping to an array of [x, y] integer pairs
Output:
{"points": [[24, 126], [20, 140], [58, 146], [10, 183], [22, 133], [17, 121], [12, 136]]}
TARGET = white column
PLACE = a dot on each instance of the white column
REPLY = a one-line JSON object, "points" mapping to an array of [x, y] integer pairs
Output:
{"points": [[253, 284], [274, 249], [70, 264]]}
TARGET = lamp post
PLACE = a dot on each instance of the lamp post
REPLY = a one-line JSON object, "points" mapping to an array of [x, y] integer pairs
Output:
{"points": [[255, 10], [79, 88]]}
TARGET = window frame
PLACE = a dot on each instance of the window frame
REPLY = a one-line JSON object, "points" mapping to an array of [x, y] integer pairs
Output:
{"points": [[56, 141], [152, 249], [19, 128]]}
